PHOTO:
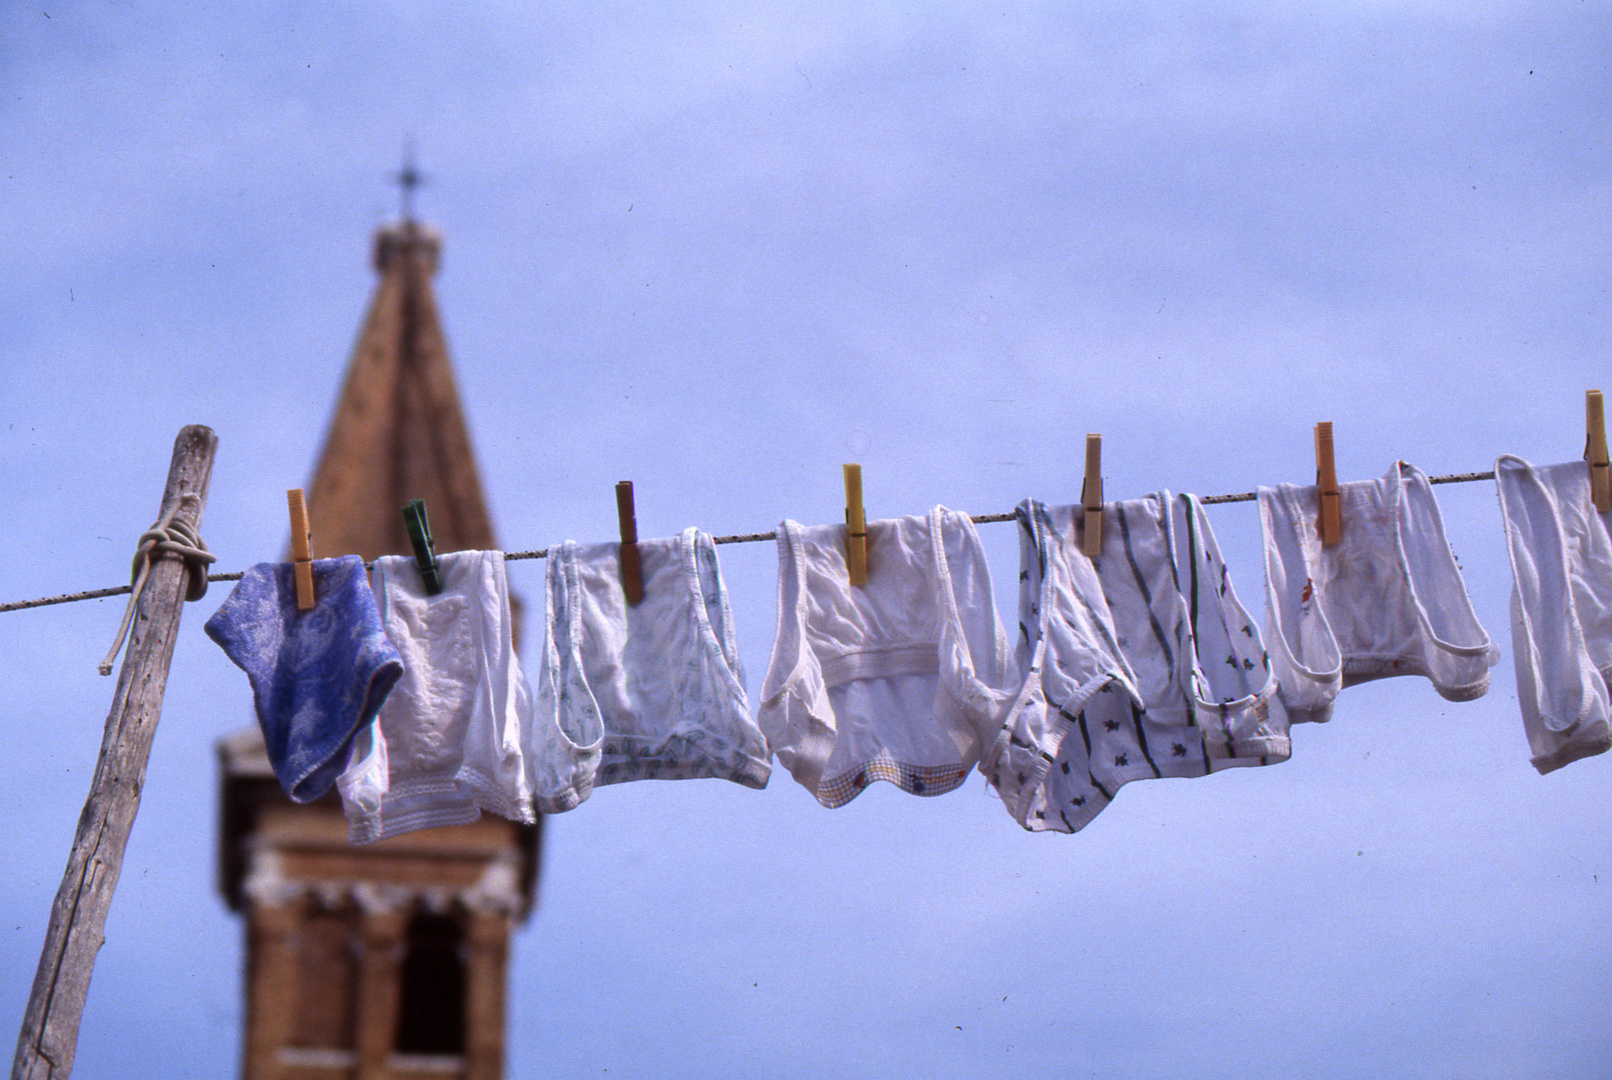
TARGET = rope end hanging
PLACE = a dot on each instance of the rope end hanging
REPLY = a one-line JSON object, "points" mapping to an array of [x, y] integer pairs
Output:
{"points": [[166, 537]]}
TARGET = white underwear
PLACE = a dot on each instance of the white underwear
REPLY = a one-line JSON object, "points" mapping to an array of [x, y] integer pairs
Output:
{"points": [[644, 692], [1387, 599], [447, 742], [892, 681], [1561, 608]]}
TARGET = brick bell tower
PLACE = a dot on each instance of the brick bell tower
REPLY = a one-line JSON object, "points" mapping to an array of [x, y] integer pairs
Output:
{"points": [[386, 961]]}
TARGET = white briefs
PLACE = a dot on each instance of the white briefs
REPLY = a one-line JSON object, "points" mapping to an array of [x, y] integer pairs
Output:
{"points": [[1387, 599], [892, 681], [1561, 608], [644, 692], [446, 745], [1141, 665]]}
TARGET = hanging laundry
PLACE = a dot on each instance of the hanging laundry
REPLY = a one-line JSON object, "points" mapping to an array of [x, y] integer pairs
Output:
{"points": [[447, 743], [651, 691], [1386, 600], [1561, 608], [318, 676], [894, 680], [1143, 665]]}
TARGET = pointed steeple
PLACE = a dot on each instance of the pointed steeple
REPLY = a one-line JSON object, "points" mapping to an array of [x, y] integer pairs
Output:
{"points": [[399, 432]]}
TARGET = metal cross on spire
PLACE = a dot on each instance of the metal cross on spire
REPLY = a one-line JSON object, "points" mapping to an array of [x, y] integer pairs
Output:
{"points": [[408, 178]]}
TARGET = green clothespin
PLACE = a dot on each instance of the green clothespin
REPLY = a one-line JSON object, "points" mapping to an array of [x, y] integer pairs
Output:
{"points": [[425, 554]]}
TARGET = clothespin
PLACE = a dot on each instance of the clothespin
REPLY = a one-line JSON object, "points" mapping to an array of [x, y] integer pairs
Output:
{"points": [[1091, 497], [425, 552], [856, 521], [632, 570], [1595, 451], [301, 548], [1326, 478]]}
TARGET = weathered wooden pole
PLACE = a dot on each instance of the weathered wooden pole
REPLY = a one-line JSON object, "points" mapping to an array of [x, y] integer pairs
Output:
{"points": [[78, 917]]}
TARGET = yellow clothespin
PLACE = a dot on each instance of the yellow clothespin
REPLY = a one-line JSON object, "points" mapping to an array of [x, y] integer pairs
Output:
{"points": [[301, 548], [1091, 497], [1595, 451], [856, 521], [1326, 478], [632, 569]]}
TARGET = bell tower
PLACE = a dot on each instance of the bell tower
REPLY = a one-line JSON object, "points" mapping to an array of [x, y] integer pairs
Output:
{"points": [[386, 961]]}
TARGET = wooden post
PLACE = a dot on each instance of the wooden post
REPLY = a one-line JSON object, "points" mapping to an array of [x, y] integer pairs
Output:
{"points": [[49, 1034]]}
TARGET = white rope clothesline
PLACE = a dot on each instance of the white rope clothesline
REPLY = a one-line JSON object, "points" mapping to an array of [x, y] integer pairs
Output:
{"points": [[737, 538]]}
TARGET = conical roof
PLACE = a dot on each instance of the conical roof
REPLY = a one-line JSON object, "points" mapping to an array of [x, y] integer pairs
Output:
{"points": [[399, 431]]}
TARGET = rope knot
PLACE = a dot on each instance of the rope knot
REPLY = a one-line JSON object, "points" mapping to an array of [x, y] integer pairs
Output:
{"points": [[166, 537]]}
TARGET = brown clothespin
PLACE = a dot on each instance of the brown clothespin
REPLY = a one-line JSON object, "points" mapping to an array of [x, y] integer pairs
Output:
{"points": [[856, 522], [1326, 478], [301, 548], [1091, 497], [1595, 451], [632, 570]]}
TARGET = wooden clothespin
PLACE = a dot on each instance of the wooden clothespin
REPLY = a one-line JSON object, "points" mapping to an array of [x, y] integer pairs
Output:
{"points": [[301, 548], [632, 569], [425, 552], [856, 522], [1326, 478], [1091, 497], [1595, 451]]}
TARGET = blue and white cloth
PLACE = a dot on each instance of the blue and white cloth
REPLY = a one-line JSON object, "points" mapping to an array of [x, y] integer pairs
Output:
{"points": [[317, 676], [1138, 666]]}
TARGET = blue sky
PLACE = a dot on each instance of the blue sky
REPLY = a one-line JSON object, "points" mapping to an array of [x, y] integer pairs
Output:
{"points": [[719, 250]]}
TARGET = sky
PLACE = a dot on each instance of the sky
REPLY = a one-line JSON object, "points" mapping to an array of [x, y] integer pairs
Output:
{"points": [[719, 249]]}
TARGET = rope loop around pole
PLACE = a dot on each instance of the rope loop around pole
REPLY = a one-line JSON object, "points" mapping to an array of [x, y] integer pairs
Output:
{"points": [[166, 537]]}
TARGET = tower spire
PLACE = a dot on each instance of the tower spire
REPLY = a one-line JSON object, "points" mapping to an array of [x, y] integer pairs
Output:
{"points": [[408, 178]]}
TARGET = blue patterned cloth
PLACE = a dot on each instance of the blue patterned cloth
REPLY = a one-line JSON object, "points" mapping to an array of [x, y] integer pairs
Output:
{"points": [[317, 676]]}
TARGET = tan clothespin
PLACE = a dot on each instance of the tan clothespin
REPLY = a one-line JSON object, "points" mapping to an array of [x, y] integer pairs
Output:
{"points": [[856, 522], [1326, 478], [632, 569], [301, 548], [1091, 497], [1595, 451]]}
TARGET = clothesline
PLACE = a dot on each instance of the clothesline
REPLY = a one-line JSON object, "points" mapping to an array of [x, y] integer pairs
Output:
{"points": [[737, 538]]}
